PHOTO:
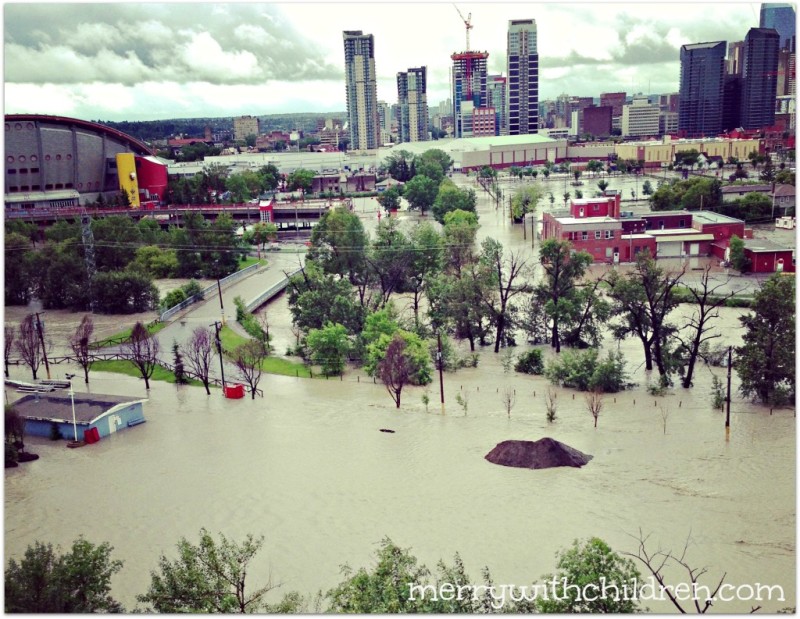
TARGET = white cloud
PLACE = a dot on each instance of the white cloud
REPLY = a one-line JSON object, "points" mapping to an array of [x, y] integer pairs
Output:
{"points": [[207, 60]]}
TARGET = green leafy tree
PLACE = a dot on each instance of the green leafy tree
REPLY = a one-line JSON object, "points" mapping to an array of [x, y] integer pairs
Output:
{"points": [[585, 371], [647, 188], [525, 200], [390, 199], [766, 361], [399, 165], [18, 263], [563, 270], [414, 351], [339, 245], [738, 258], [434, 157], [329, 347], [389, 258], [591, 566], [451, 198], [209, 577], [687, 157], [116, 240], [270, 177], [125, 292], [301, 179], [316, 298], [156, 262], [421, 192], [78, 581], [425, 261]]}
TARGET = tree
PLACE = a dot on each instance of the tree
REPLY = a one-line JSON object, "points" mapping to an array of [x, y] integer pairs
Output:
{"points": [[503, 277], [17, 267], [210, 577], [338, 245], [647, 188], [389, 258], [116, 239], [177, 362], [329, 347], [395, 368], [563, 269], [765, 362], [142, 350], [270, 177], [9, 336], [594, 166], [425, 261], [434, 157], [451, 198], [707, 301], [687, 157], [738, 258], [525, 200], [248, 359], [420, 192], [566, 198], [199, 352], [399, 165], [415, 352], [644, 298], [316, 299], [594, 404], [390, 199], [79, 344], [587, 566], [78, 581], [263, 233], [29, 344], [301, 179]]}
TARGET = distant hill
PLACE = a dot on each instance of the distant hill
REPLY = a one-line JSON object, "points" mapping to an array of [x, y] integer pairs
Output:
{"points": [[147, 130]]}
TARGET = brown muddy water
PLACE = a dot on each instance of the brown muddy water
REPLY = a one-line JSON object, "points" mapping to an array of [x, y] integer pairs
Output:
{"points": [[308, 468]]}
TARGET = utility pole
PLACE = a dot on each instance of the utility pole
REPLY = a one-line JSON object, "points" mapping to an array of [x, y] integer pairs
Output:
{"points": [[219, 351], [439, 362], [524, 227], [533, 227], [221, 307], [41, 339], [728, 398]]}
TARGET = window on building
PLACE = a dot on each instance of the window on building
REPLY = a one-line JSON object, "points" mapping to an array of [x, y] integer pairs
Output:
{"points": [[598, 234], [609, 234], [682, 223], [584, 236], [596, 207]]}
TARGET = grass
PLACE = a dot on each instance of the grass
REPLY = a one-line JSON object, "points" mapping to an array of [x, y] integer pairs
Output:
{"points": [[271, 365], [114, 339], [250, 261], [121, 366]]}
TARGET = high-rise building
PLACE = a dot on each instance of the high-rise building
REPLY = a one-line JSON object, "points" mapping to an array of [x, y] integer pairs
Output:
{"points": [[701, 88], [244, 126], [412, 100], [786, 68], [597, 120], [640, 118], [469, 89], [362, 95], [496, 88], [760, 77], [733, 65], [523, 77], [781, 17]]}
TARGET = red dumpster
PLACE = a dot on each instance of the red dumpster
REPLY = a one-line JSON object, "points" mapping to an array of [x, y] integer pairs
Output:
{"points": [[92, 435], [234, 392]]}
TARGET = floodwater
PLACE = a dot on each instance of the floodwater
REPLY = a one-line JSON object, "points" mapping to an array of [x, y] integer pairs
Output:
{"points": [[308, 468]]}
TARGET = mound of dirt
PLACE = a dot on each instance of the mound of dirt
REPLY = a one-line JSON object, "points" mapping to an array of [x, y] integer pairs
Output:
{"points": [[542, 454]]}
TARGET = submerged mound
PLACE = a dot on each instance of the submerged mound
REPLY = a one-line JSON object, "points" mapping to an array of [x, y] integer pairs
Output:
{"points": [[542, 454]]}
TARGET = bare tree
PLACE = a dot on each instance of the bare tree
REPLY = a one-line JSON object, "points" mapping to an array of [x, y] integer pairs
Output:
{"points": [[395, 369], [142, 350], [509, 399], [199, 351], [8, 344], [594, 404], [29, 345], [79, 343], [657, 561], [708, 301], [248, 358], [551, 404], [664, 412]]}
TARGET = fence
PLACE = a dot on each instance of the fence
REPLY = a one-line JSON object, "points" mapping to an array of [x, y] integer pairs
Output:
{"points": [[271, 292], [201, 295]]}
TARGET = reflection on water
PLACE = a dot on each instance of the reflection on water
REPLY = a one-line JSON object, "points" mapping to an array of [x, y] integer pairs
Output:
{"points": [[307, 467]]}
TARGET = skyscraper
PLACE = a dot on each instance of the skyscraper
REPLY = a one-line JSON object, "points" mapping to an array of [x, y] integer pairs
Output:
{"points": [[523, 77], [781, 17], [412, 99], [701, 88], [760, 73], [362, 96], [469, 89]]}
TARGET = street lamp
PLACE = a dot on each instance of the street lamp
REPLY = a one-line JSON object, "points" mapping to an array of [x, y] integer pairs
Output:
{"points": [[72, 398]]}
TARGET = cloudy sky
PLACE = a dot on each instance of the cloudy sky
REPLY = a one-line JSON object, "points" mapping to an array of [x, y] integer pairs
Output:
{"points": [[144, 61]]}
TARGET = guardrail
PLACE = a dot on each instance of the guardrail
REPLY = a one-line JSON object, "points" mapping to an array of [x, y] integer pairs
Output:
{"points": [[233, 277], [271, 292]]}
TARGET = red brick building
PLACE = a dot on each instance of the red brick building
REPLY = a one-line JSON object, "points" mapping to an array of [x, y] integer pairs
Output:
{"points": [[768, 257]]}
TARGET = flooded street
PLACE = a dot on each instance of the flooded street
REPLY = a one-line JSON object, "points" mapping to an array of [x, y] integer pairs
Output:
{"points": [[307, 467]]}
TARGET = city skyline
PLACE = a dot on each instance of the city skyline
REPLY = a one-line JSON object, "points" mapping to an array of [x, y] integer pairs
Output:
{"points": [[159, 61]]}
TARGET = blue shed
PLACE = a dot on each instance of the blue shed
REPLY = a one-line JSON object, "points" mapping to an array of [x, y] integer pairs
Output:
{"points": [[107, 413]]}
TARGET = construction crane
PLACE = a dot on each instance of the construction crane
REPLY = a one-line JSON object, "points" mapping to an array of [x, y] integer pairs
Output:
{"points": [[467, 23]]}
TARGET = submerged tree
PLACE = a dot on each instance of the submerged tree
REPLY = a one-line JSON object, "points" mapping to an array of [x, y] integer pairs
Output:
{"points": [[9, 336], [199, 352], [79, 343], [142, 350], [29, 344], [248, 359]]}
